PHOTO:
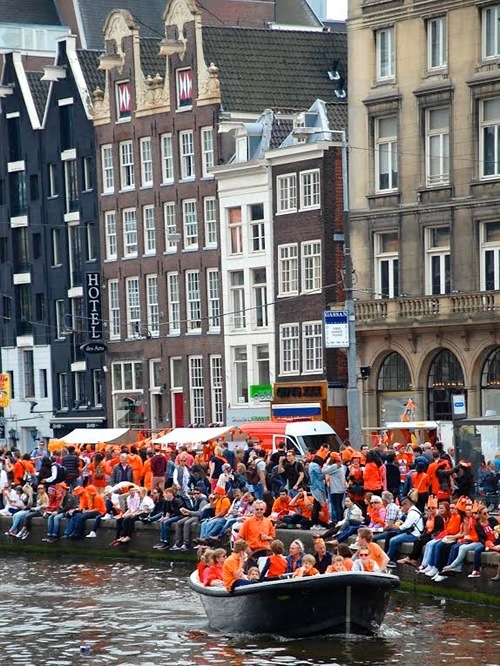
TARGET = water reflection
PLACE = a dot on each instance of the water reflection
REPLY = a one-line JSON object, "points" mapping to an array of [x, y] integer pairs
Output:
{"points": [[140, 614]]}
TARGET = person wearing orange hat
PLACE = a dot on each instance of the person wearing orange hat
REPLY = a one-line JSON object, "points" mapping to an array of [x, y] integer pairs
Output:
{"points": [[91, 505], [222, 504]]}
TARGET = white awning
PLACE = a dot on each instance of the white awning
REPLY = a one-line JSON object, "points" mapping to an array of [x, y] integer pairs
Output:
{"points": [[191, 435], [96, 435], [411, 425]]}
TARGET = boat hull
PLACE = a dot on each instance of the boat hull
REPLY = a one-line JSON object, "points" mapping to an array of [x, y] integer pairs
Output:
{"points": [[352, 603]]}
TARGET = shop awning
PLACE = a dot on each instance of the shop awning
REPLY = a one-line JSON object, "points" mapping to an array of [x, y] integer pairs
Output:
{"points": [[191, 435], [96, 435]]}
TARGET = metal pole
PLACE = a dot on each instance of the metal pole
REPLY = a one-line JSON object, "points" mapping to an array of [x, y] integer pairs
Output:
{"points": [[353, 406]]}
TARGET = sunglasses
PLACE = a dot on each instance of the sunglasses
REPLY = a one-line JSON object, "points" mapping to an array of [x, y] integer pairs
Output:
{"points": [[364, 555]]}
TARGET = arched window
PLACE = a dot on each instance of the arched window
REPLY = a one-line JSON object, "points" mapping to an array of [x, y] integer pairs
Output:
{"points": [[490, 384], [394, 374], [446, 378]]}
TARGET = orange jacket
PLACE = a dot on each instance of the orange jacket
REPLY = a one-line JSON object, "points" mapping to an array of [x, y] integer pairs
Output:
{"points": [[147, 475], [135, 461], [373, 479], [420, 481], [277, 566]]}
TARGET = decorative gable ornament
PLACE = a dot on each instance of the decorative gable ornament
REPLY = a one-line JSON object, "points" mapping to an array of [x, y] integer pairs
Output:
{"points": [[185, 87]]}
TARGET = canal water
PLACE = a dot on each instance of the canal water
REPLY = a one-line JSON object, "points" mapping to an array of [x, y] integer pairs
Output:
{"points": [[58, 611]]}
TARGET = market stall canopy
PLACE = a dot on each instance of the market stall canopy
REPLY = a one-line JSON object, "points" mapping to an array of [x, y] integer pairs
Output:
{"points": [[191, 435], [97, 435]]}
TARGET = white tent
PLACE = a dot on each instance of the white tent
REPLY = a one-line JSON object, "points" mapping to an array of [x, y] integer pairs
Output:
{"points": [[191, 435], [96, 435]]}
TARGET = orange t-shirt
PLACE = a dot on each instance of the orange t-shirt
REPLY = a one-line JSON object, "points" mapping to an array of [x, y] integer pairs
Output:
{"points": [[251, 530], [92, 503], [420, 482], [135, 461], [300, 573], [304, 509], [147, 475], [222, 506], [281, 505], [348, 563], [372, 477], [231, 571], [277, 566], [20, 467], [377, 554]]}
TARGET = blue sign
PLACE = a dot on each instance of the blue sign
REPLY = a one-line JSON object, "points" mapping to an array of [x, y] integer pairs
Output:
{"points": [[336, 324]]}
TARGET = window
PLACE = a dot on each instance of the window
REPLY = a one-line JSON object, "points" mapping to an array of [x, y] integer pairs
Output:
{"points": [[63, 390], [437, 146], [289, 349], [80, 389], [196, 390], [18, 200], [34, 189], [52, 178], [286, 193], [56, 247], [490, 138], [110, 235], [385, 54], [213, 299], [210, 216], [90, 236], [66, 126], [259, 284], [126, 376], [490, 256], [146, 162], [386, 153], [190, 224], [312, 347], [129, 233], [193, 301], [97, 388], [491, 31], [186, 149], [14, 137], [311, 266], [261, 355], [70, 186], [387, 265], [6, 308], [216, 389], [436, 43], [240, 370], [438, 261], [60, 321], [170, 224], [149, 230], [174, 304], [75, 252], [123, 101], [288, 269], [153, 305], [108, 173], [114, 309], [43, 382], [310, 189], [87, 174], [184, 88], [237, 291], [133, 307], [207, 150], [29, 373], [235, 230], [167, 159], [127, 176], [257, 228]]}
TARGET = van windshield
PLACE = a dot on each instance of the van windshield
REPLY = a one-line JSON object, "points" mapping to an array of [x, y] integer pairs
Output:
{"points": [[314, 442]]}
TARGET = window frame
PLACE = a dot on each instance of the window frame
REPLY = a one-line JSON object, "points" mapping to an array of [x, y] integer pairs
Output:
{"points": [[217, 388], [485, 247], [196, 389], [107, 168], [392, 259], [153, 305], [442, 43], [173, 303], [288, 261], [207, 151], [193, 302], [127, 168], [237, 300], [111, 235], [130, 233], [483, 125], [291, 366], [391, 61], [444, 254], [315, 336], [167, 158], [149, 230], [171, 216], [190, 228], [146, 157], [187, 157], [133, 307], [316, 267], [386, 141], [213, 300], [114, 309], [443, 134], [315, 189], [210, 223], [484, 31], [286, 193]]}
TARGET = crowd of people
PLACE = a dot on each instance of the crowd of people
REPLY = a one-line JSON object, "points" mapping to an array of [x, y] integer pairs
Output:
{"points": [[396, 493]]}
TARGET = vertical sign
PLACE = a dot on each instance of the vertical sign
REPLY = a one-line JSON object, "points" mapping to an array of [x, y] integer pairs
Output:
{"points": [[458, 406], [4, 389], [336, 325], [124, 100], [184, 87], [94, 305]]}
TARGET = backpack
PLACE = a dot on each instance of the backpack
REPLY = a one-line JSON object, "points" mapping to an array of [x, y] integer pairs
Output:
{"points": [[61, 473], [99, 472], [252, 474]]}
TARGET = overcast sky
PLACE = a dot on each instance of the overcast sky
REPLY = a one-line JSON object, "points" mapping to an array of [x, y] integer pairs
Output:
{"points": [[337, 9]]}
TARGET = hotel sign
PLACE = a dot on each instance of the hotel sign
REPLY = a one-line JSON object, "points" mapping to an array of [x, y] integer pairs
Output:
{"points": [[93, 294]]}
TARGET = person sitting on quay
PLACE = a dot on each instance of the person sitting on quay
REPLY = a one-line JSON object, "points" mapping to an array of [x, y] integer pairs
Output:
{"points": [[60, 502], [300, 508], [435, 522], [281, 506], [235, 512], [409, 530], [21, 520], [364, 561], [349, 525], [146, 505], [132, 504], [192, 514], [172, 514], [113, 510], [221, 504], [275, 565], [392, 514], [376, 512], [91, 505], [72, 514], [307, 568]]}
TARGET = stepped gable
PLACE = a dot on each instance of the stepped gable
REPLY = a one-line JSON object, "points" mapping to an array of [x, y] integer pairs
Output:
{"points": [[259, 69], [148, 14], [39, 91], [151, 62], [39, 12], [89, 62]]}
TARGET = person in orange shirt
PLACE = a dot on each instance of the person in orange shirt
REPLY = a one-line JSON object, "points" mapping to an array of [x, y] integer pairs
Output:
{"points": [[365, 561], [233, 574], [301, 505], [91, 505], [337, 565], [135, 461], [276, 564], [258, 531], [147, 472], [280, 506], [420, 482], [307, 568], [373, 475], [365, 539], [98, 473], [22, 466]]}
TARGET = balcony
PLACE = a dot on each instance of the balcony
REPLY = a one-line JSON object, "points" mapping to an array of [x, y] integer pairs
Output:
{"points": [[446, 310]]}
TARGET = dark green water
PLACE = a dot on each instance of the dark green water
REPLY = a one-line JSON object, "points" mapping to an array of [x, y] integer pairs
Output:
{"points": [[144, 614]]}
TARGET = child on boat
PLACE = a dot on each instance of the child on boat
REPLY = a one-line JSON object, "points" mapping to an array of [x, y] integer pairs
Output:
{"points": [[307, 568], [275, 565], [337, 565]]}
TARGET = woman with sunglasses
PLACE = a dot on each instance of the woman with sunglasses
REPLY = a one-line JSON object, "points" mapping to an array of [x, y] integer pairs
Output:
{"points": [[364, 562], [469, 542], [452, 530]]}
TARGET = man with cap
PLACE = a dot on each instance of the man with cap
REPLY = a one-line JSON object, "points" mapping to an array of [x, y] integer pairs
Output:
{"points": [[409, 531], [222, 504]]}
